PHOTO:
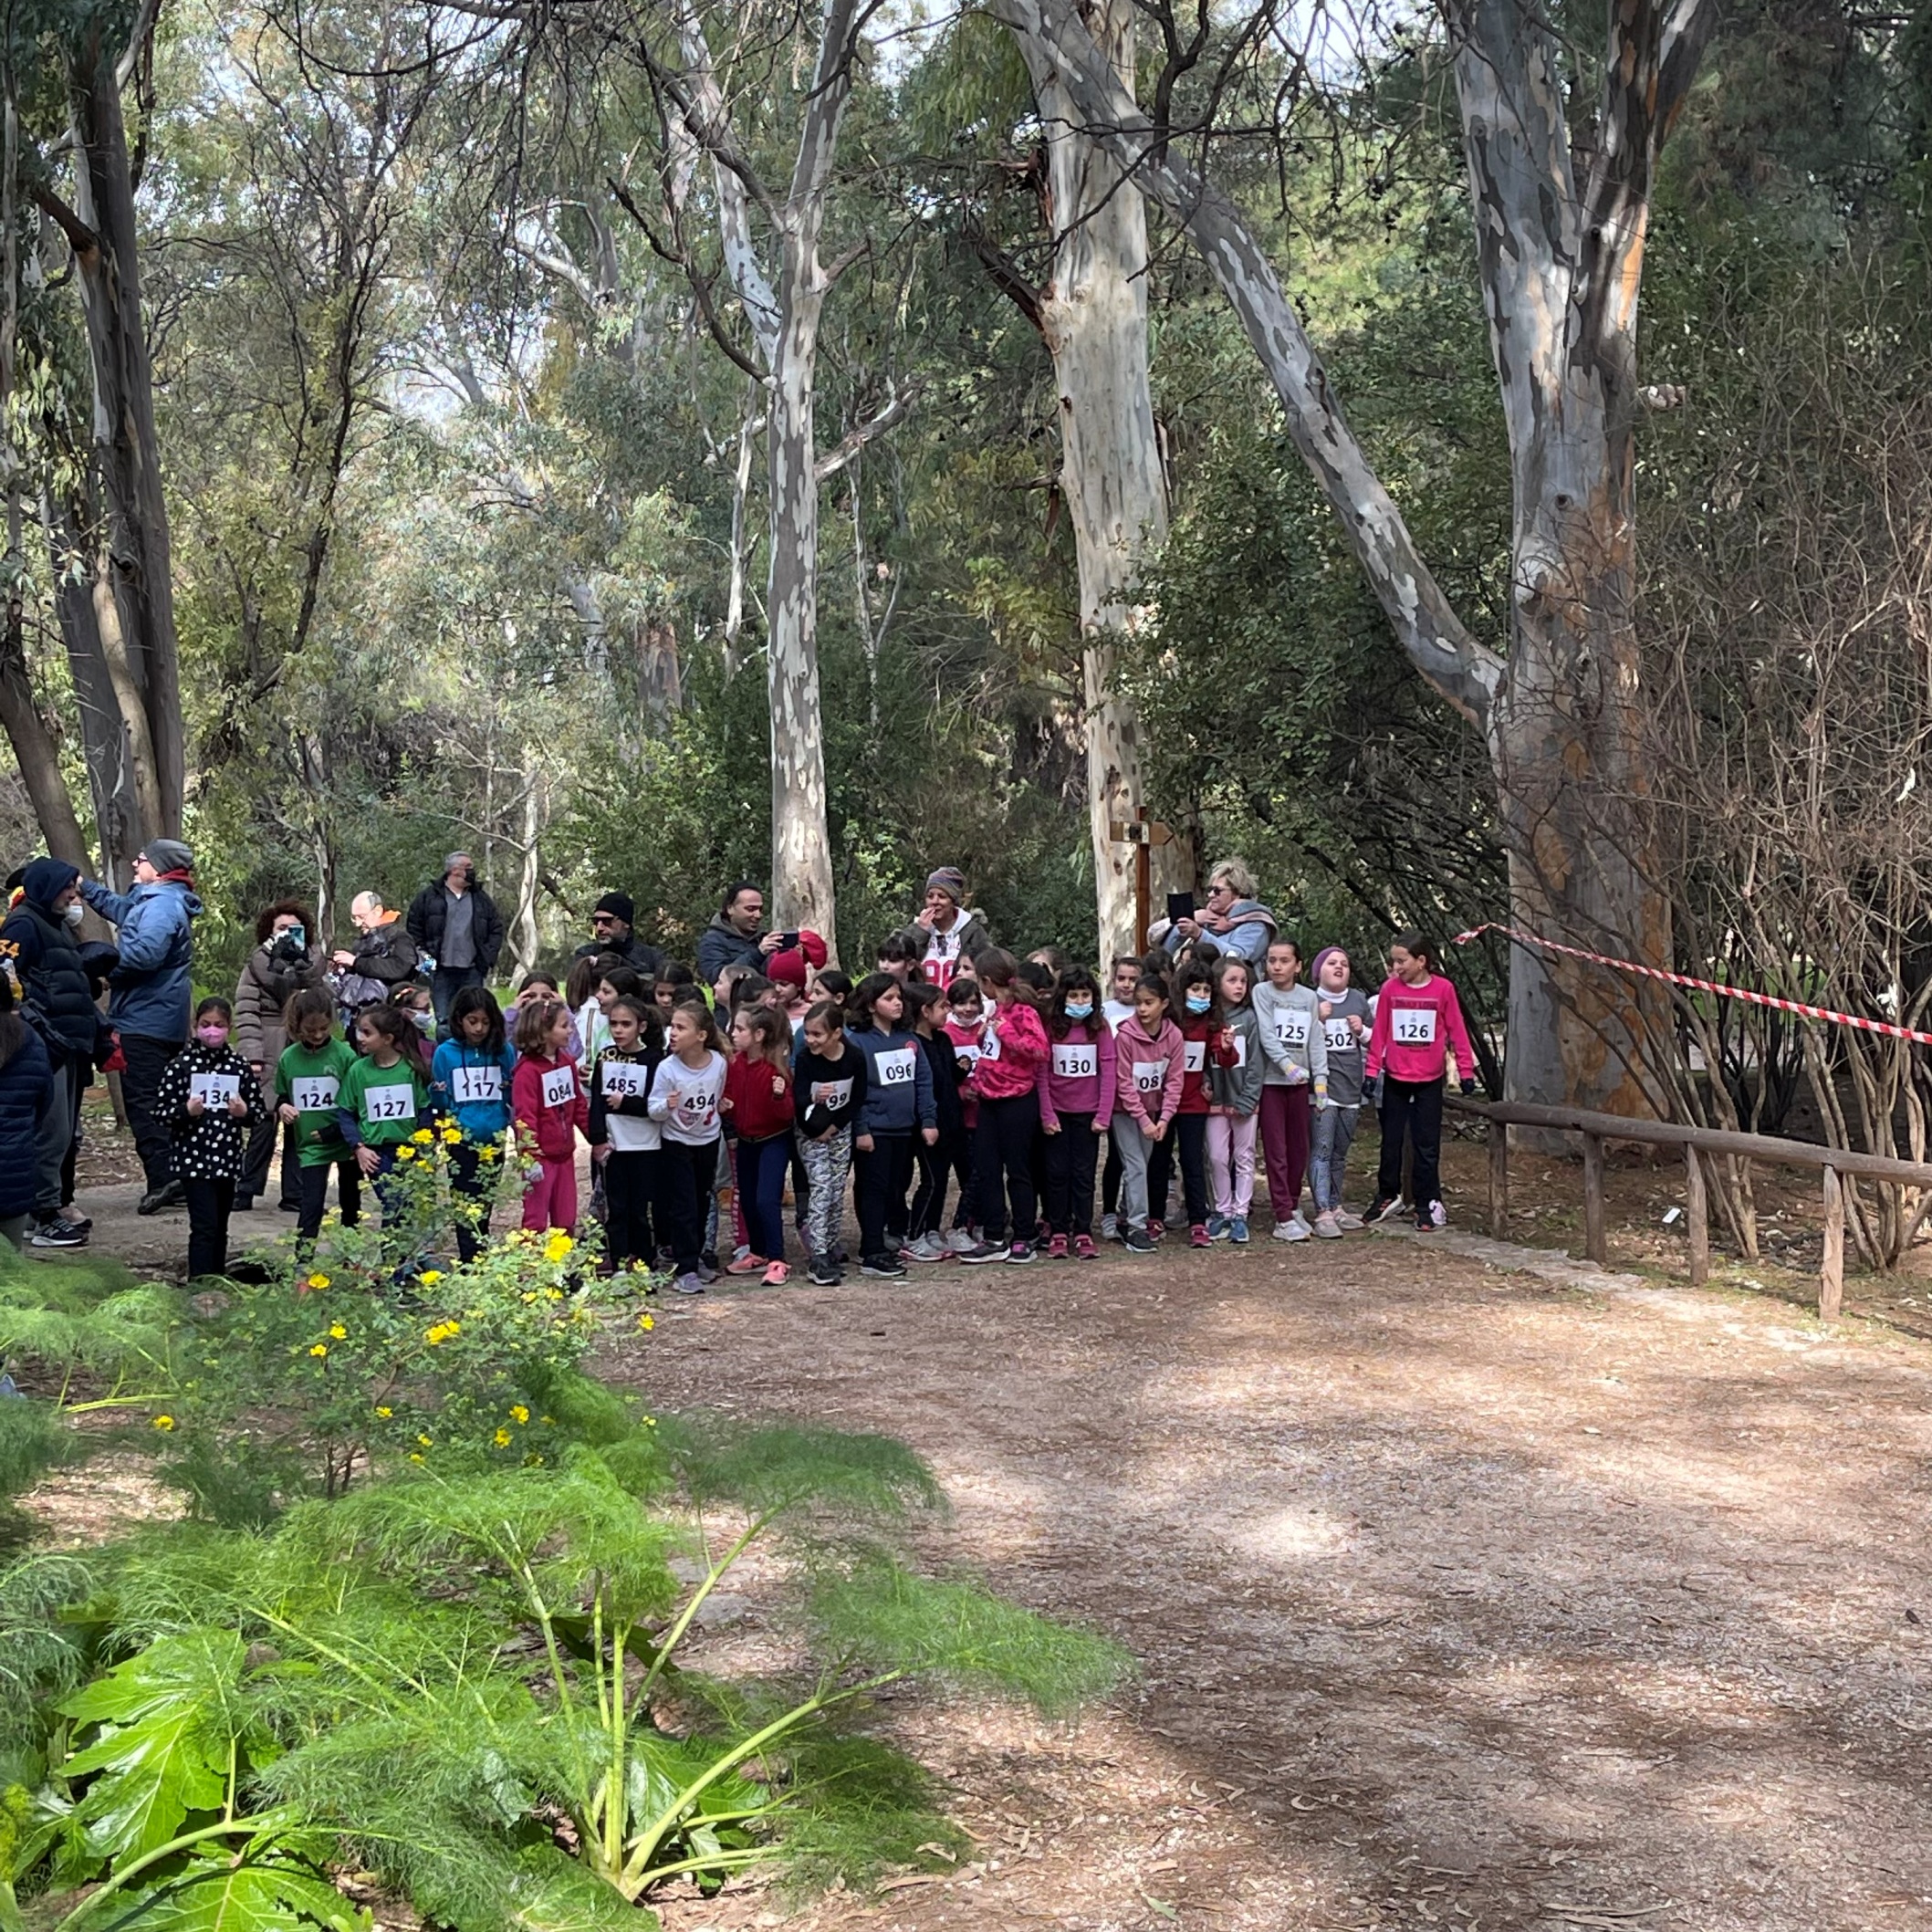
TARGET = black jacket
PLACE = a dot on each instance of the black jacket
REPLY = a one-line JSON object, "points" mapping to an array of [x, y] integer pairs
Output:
{"points": [[56, 1001], [27, 1083], [646, 961], [429, 912]]}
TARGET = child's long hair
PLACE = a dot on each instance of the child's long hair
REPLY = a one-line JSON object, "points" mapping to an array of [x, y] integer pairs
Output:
{"points": [[535, 1018], [997, 968], [827, 1014], [832, 983], [1075, 979], [621, 979], [650, 1020], [865, 995], [1231, 962], [770, 1033], [1196, 973], [920, 1001], [401, 1031], [747, 990], [477, 1000], [904, 951], [582, 982], [1152, 983], [310, 1003], [707, 1021], [1417, 947]]}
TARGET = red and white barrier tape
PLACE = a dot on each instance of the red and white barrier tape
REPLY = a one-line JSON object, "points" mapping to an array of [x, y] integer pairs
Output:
{"points": [[1885, 1026]]}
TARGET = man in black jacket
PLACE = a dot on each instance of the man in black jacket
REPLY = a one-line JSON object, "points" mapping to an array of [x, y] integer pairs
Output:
{"points": [[455, 922], [58, 1003], [612, 921]]}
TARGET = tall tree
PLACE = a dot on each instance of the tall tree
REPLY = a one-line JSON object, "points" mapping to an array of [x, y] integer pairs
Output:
{"points": [[1560, 232]]}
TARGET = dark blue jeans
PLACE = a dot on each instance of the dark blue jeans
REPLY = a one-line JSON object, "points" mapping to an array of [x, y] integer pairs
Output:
{"points": [[762, 1167]]}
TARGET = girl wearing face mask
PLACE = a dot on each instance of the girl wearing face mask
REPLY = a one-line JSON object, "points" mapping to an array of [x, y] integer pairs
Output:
{"points": [[210, 1098], [1076, 1109], [1205, 1043]]}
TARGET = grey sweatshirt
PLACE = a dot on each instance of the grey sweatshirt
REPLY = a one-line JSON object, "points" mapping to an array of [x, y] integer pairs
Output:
{"points": [[1291, 1035], [1240, 1086], [1345, 1046]]}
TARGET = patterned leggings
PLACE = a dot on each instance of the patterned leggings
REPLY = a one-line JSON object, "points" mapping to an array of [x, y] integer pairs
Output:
{"points": [[828, 1164]]}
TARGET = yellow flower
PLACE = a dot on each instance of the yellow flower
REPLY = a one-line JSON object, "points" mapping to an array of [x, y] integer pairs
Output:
{"points": [[487, 1154], [519, 1413], [501, 1438], [644, 1322], [338, 1333], [530, 1295], [453, 1136], [558, 1246], [321, 1348], [430, 1276], [556, 1294], [164, 1423], [319, 1280], [547, 1420], [405, 1153], [422, 1136], [384, 1414], [413, 1456], [426, 1443]]}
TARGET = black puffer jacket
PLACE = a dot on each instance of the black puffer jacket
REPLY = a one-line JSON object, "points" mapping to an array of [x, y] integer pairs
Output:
{"points": [[54, 999], [428, 918], [27, 1083]]}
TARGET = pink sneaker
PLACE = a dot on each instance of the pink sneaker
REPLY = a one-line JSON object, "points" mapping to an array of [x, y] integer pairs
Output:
{"points": [[1197, 1237], [1057, 1249], [777, 1275], [1155, 1230], [745, 1265], [1084, 1250]]}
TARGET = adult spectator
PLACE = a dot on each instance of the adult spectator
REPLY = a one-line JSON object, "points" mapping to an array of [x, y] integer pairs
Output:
{"points": [[287, 960], [733, 937], [383, 961], [152, 996], [456, 922], [946, 933], [1234, 922], [612, 923], [26, 1087], [58, 1003]]}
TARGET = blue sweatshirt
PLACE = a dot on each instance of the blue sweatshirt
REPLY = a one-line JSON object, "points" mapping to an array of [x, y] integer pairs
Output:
{"points": [[459, 1074], [898, 1083]]}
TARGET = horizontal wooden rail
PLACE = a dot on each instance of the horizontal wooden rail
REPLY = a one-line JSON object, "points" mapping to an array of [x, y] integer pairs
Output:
{"points": [[1596, 1129]]}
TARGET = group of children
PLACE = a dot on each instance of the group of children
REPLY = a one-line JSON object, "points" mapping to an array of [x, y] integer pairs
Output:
{"points": [[1002, 1086]]}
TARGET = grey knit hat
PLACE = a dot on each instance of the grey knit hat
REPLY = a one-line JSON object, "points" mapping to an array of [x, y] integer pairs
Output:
{"points": [[168, 855]]}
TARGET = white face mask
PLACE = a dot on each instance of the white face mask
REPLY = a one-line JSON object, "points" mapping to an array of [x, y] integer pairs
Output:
{"points": [[75, 913]]}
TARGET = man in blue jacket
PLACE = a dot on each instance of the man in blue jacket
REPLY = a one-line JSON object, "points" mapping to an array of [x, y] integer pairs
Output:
{"points": [[151, 996]]}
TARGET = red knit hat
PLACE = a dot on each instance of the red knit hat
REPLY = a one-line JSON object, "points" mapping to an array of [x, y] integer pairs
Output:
{"points": [[796, 965]]}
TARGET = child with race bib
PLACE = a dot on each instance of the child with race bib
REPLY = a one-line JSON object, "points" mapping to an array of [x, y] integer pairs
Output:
{"points": [[308, 1078], [1297, 1052], [1417, 1019], [210, 1098], [757, 1097], [547, 1102], [828, 1089], [1148, 1067], [470, 1079], [964, 1027], [384, 1097], [1076, 1109], [1233, 1091], [1006, 1083], [1345, 1026], [685, 1096], [623, 1136], [1202, 1050], [1123, 977], [898, 1104]]}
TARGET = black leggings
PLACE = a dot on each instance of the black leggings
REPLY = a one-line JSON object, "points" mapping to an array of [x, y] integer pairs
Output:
{"points": [[313, 1194], [1188, 1138], [880, 1180], [929, 1197], [209, 1205], [630, 1186], [1003, 1150], [473, 1181], [1070, 1174], [1415, 1108], [686, 1176]]}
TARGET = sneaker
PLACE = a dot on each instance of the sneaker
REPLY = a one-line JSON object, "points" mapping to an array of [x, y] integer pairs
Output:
{"points": [[1292, 1229], [1385, 1207], [927, 1249], [1198, 1235], [1425, 1223], [1327, 1229], [687, 1285], [1345, 1219], [1155, 1230], [706, 1273], [1020, 1254], [746, 1264], [959, 1240], [1110, 1227], [244, 1204], [1138, 1241], [881, 1268], [982, 1251], [1057, 1249], [54, 1232], [1084, 1250], [152, 1203], [1218, 1227], [1438, 1215], [1237, 1230], [777, 1275], [80, 1221], [825, 1272]]}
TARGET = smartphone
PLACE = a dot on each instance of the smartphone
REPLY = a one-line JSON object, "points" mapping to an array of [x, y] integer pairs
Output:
{"points": [[787, 941], [1180, 906]]}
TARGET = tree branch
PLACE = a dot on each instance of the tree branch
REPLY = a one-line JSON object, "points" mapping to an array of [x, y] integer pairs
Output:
{"points": [[897, 407], [80, 237], [679, 257]]}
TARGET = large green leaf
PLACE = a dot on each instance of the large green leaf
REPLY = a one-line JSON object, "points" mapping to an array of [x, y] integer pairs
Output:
{"points": [[251, 1895]]}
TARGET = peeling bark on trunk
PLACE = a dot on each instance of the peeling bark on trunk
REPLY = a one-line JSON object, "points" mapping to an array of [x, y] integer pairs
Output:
{"points": [[1092, 314]]}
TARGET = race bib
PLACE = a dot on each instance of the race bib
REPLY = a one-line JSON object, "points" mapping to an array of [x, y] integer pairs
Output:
{"points": [[559, 1087], [1292, 1027], [1193, 1055], [1412, 1026], [622, 1078], [897, 1067], [990, 1046], [314, 1094], [1076, 1062], [697, 1108], [1341, 1036], [967, 1055], [831, 1094], [388, 1104], [1149, 1075], [215, 1090], [475, 1086]]}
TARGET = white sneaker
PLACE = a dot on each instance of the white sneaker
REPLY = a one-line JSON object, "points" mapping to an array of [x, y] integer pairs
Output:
{"points": [[1110, 1227], [1327, 1229], [1292, 1229], [934, 1247], [1439, 1213], [959, 1240], [1343, 1219]]}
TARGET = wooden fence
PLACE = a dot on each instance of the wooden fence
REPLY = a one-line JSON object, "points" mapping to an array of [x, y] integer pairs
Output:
{"points": [[1597, 1129]]}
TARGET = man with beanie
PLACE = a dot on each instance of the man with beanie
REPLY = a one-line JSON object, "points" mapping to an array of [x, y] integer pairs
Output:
{"points": [[946, 933], [58, 1003], [733, 937], [152, 996], [612, 919], [456, 922]]}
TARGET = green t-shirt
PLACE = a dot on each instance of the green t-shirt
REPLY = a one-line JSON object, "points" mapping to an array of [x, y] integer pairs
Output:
{"points": [[384, 1101], [309, 1079]]}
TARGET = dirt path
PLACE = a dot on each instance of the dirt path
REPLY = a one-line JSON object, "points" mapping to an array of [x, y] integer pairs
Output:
{"points": [[1459, 1595]]}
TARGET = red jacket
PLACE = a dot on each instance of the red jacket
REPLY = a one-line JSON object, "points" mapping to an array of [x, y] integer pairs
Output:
{"points": [[1011, 1054], [553, 1123], [760, 1097], [1201, 1048]]}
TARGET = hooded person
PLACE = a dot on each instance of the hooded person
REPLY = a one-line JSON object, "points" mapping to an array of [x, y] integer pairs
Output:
{"points": [[57, 1002], [151, 995], [947, 933], [613, 921], [456, 924]]}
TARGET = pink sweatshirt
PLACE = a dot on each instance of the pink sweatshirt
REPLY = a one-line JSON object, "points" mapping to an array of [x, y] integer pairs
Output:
{"points": [[1066, 1084], [1011, 1054], [1138, 1057], [1411, 1023]]}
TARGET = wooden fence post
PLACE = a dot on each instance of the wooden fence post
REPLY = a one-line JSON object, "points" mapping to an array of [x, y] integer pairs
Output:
{"points": [[1831, 1276], [1697, 1214], [1499, 1181], [1596, 1243]]}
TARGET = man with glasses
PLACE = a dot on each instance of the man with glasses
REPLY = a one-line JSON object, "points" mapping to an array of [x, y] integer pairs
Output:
{"points": [[612, 919]]}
